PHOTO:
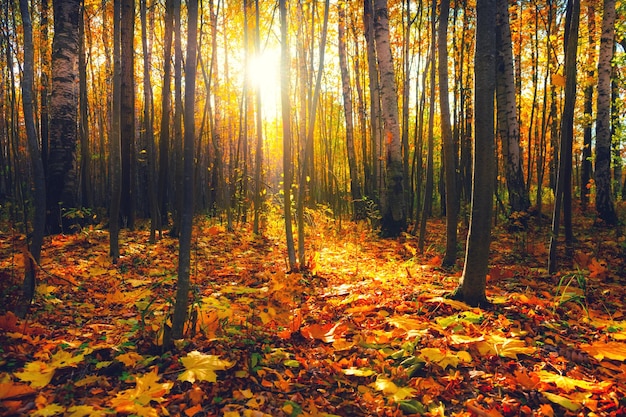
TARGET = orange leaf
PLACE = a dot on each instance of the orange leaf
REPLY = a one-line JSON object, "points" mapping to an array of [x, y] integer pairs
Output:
{"points": [[324, 332], [191, 411], [597, 269]]}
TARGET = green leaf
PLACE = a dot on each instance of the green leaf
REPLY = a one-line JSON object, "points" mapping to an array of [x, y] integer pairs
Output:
{"points": [[562, 401]]}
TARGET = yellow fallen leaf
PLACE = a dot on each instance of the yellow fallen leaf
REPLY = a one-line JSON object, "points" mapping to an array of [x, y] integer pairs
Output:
{"points": [[568, 384], [84, 411], [129, 359], [610, 350], [49, 410], [503, 346], [137, 400], [444, 358], [562, 401], [38, 373], [63, 359], [199, 366]]}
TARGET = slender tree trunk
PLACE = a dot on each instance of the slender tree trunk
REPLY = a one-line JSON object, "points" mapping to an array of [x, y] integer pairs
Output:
{"points": [[258, 158], [449, 151], [39, 178], [164, 134], [373, 190], [394, 219], [286, 115], [355, 188], [473, 281], [127, 121], [62, 170], [83, 125], [604, 196], [305, 169], [177, 147], [115, 148], [427, 203], [587, 166], [179, 316], [563, 195], [148, 120], [508, 123]]}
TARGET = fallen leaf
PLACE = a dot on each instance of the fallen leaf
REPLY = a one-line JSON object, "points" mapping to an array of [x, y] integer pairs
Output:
{"points": [[199, 366]]}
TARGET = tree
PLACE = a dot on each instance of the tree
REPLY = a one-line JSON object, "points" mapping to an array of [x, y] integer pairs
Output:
{"points": [[355, 187], [115, 151], [127, 117], [604, 197], [61, 177], [508, 123], [39, 179], [286, 116], [394, 216], [258, 161], [563, 194], [184, 252], [148, 123], [586, 163], [449, 151], [472, 283]]}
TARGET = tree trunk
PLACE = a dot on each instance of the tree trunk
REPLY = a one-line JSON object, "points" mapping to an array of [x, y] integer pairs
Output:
{"points": [[427, 203], [115, 152], [127, 117], [473, 281], [164, 134], [258, 158], [355, 187], [286, 116], [587, 166], [184, 254], [39, 178], [178, 120], [373, 189], [148, 122], [563, 194], [62, 171], [508, 123], [604, 197], [449, 151], [83, 125], [393, 221]]}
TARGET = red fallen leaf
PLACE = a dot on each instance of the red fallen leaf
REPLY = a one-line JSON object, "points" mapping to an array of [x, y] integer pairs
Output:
{"points": [[324, 332], [597, 268], [191, 411], [434, 261]]}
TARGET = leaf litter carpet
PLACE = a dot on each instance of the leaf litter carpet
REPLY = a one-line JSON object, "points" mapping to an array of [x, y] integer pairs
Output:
{"points": [[365, 330]]}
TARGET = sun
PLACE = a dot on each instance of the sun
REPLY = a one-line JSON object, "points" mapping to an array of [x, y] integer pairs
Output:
{"points": [[264, 73]]}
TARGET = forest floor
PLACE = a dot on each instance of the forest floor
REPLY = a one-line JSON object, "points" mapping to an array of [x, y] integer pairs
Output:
{"points": [[367, 331]]}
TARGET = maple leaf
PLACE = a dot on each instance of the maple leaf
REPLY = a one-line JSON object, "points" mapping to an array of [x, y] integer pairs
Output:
{"points": [[391, 390], [63, 359], [49, 410], [137, 400], [38, 373], [11, 390], [505, 347], [611, 350], [323, 332], [129, 359], [444, 358], [199, 366], [568, 384], [85, 410]]}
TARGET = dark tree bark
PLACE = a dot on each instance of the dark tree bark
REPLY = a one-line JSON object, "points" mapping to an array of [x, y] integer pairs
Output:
{"points": [[115, 151], [83, 125], [166, 99], [449, 151], [563, 194], [473, 281], [394, 217], [286, 116], [355, 187], [127, 121], [184, 255], [62, 170], [586, 164], [39, 178]]}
